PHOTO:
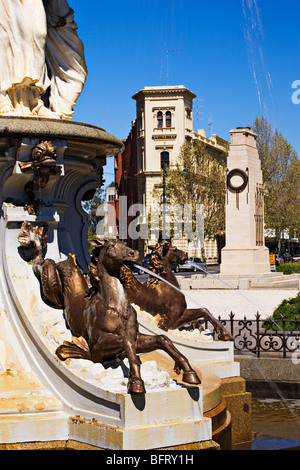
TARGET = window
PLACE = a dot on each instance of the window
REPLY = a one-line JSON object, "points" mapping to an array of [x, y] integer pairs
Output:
{"points": [[168, 119], [159, 119], [164, 159]]}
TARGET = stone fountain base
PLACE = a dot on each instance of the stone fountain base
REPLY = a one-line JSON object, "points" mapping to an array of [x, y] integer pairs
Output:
{"points": [[43, 400]]}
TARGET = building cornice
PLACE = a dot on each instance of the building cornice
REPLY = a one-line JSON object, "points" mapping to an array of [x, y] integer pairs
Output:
{"points": [[148, 173], [164, 136], [163, 108], [161, 90], [214, 142]]}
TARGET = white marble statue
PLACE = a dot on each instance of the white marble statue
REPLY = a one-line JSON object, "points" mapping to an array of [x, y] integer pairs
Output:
{"points": [[42, 66]]}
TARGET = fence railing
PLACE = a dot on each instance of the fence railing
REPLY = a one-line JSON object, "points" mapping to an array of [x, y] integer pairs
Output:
{"points": [[280, 338]]}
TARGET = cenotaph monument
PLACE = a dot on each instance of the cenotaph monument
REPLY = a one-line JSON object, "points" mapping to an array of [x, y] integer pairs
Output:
{"points": [[245, 252]]}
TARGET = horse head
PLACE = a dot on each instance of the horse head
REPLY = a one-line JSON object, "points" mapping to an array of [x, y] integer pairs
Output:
{"points": [[164, 252], [111, 254]]}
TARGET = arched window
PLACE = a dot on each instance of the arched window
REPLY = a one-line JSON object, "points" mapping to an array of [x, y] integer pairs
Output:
{"points": [[168, 119], [164, 160], [159, 119]]}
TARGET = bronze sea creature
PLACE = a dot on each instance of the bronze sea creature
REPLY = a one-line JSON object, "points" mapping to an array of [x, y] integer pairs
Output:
{"points": [[158, 298], [104, 325]]}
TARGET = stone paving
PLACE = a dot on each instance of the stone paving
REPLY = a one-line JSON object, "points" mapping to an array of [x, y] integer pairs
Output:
{"points": [[240, 302]]}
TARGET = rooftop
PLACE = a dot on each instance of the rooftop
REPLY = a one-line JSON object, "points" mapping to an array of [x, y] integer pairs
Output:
{"points": [[164, 89]]}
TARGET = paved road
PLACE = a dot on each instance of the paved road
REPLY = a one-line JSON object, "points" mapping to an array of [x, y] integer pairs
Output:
{"points": [[240, 302]]}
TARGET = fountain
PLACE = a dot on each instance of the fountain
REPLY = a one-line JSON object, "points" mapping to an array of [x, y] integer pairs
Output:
{"points": [[51, 396]]}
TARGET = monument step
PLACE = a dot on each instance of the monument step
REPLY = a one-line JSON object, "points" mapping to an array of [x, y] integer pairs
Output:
{"points": [[231, 281], [291, 283], [269, 279]]}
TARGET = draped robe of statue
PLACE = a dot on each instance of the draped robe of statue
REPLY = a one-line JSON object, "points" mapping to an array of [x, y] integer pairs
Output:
{"points": [[42, 66]]}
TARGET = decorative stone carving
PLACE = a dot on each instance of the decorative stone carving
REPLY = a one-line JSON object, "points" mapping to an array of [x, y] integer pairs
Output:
{"points": [[239, 188], [43, 165], [259, 214], [242, 174]]}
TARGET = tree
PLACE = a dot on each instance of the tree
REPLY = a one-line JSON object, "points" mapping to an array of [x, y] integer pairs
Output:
{"points": [[281, 176], [198, 178], [92, 200]]}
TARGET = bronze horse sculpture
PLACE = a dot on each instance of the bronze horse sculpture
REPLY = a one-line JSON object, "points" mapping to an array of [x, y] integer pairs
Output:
{"points": [[104, 325], [159, 298]]}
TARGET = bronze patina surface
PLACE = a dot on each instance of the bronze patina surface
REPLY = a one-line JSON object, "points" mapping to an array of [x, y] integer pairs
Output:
{"points": [[159, 298], [42, 165], [103, 323]]}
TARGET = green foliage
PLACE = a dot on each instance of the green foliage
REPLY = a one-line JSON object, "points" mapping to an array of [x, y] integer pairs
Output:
{"points": [[281, 176], [198, 178], [94, 202], [289, 268], [290, 308], [91, 236], [90, 206]]}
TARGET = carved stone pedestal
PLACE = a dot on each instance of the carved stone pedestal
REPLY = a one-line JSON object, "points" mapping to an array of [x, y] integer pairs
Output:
{"points": [[42, 398]]}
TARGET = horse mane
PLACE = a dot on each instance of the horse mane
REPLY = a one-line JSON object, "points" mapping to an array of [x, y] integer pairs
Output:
{"points": [[156, 263]]}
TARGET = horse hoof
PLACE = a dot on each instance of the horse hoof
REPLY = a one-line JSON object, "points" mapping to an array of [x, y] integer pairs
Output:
{"points": [[136, 385], [191, 378], [224, 336]]}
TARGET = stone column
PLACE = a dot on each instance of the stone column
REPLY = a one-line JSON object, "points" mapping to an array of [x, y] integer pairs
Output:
{"points": [[245, 252]]}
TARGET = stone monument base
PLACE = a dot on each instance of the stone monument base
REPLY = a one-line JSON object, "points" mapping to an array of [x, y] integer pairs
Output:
{"points": [[245, 260]]}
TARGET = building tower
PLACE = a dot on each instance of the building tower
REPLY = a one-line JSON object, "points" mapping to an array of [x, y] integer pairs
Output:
{"points": [[164, 122]]}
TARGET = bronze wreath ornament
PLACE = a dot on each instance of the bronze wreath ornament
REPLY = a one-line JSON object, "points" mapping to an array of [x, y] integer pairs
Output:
{"points": [[242, 174]]}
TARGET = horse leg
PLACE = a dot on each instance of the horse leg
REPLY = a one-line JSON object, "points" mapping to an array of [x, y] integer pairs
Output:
{"points": [[190, 315], [109, 346], [149, 343], [135, 383]]}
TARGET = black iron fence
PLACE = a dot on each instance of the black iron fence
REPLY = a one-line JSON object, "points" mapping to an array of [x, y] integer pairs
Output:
{"points": [[280, 338]]}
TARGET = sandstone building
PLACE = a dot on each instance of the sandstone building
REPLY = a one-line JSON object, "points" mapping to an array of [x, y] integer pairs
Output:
{"points": [[164, 121]]}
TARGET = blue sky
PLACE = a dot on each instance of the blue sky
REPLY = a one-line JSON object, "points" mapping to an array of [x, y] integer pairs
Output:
{"points": [[239, 56]]}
